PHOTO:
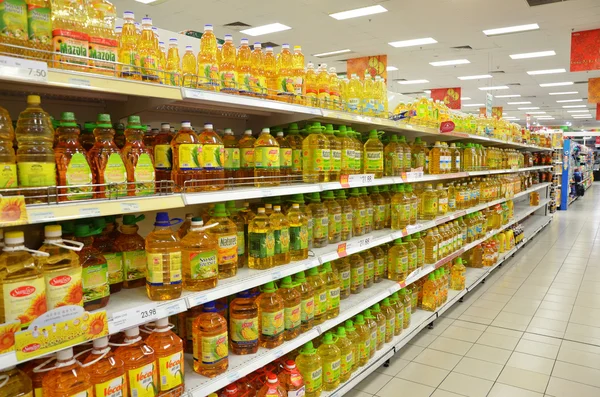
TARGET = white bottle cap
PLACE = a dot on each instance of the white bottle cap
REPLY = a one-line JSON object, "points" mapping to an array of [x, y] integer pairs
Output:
{"points": [[285, 46], [310, 65], [199, 223], [188, 48], [228, 131], [244, 41], [162, 322], [161, 43], [52, 231], [132, 332], [128, 15], [186, 124], [65, 354], [173, 40], [269, 206], [248, 132], [208, 126], [100, 343], [354, 75], [166, 126], [266, 131], [155, 29], [280, 133], [257, 45], [146, 21], [261, 210], [208, 28], [269, 49], [14, 238], [323, 65], [118, 29], [228, 37], [332, 69]]}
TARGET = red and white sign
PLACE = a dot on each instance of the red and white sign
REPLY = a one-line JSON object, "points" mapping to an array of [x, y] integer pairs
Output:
{"points": [[585, 50]]}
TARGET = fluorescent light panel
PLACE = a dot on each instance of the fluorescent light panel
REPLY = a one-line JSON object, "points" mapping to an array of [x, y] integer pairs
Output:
{"points": [[543, 117], [332, 53], [583, 116], [535, 112], [476, 77], [569, 100], [533, 54], [511, 29], [529, 108], [472, 104], [465, 98], [556, 84], [145, 1], [265, 29], [497, 87], [413, 42], [578, 111], [450, 63], [391, 68], [427, 91], [508, 96], [574, 106], [565, 93], [547, 71], [406, 82], [358, 12], [519, 103]]}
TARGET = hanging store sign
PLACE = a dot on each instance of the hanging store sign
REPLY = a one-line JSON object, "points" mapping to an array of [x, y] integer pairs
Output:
{"points": [[497, 112], [594, 90], [585, 50], [450, 96], [598, 111], [373, 65]]}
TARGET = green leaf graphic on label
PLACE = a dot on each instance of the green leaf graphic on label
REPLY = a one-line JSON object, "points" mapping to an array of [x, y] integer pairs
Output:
{"points": [[143, 176], [79, 173]]}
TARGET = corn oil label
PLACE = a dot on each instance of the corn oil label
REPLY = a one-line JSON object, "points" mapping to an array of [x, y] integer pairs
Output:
{"points": [[266, 157], [247, 157], [63, 288], [246, 82], [155, 263], [285, 157], [32, 174], [170, 371], [331, 370], [345, 279], [13, 23], [298, 237], [142, 381], [314, 380], [79, 173], [189, 156], [229, 79], [321, 227], [213, 157], [292, 317], [232, 158], [244, 331], [203, 264], [69, 42], [307, 310], [8, 175], [336, 160], [24, 300], [282, 240], [373, 161], [261, 245], [95, 282], [272, 323], [297, 160], [102, 49], [212, 348], [357, 275], [115, 387], [163, 157], [333, 298], [227, 247], [390, 327], [143, 176], [134, 265], [149, 65]]}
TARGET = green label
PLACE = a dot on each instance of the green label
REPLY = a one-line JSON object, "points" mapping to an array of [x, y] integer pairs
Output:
{"points": [[357, 277], [379, 213], [134, 265], [369, 270], [272, 323], [203, 265], [79, 173], [399, 320], [8, 175], [163, 157], [333, 298], [297, 160], [189, 156], [95, 282], [282, 240], [298, 237], [266, 157], [336, 160], [244, 331], [345, 279], [321, 227], [321, 160], [36, 174], [13, 23], [115, 267], [307, 309], [292, 317], [335, 223], [322, 302], [347, 362], [314, 380], [261, 245], [115, 172], [285, 157], [232, 158], [143, 176], [380, 267], [40, 25], [365, 348], [373, 161], [241, 243], [331, 371]]}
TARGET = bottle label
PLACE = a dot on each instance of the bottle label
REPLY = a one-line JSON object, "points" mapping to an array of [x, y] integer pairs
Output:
{"points": [[143, 176], [68, 42], [297, 160], [347, 222], [285, 157], [214, 348], [336, 160], [295, 393], [33, 174], [331, 371], [142, 380], [229, 79], [212, 157], [79, 173], [365, 348], [37, 392], [443, 205], [379, 213], [203, 265], [208, 75], [149, 65], [241, 243], [247, 157], [335, 224], [374, 340], [8, 175], [357, 275], [298, 238], [321, 228], [322, 302], [232, 158], [170, 371], [115, 267], [272, 323], [115, 387], [134, 265], [310, 230], [314, 381], [390, 327], [407, 314], [399, 320], [307, 309], [266, 157], [244, 331], [369, 270], [102, 49], [227, 249], [333, 298], [286, 86], [163, 157], [381, 334], [24, 300], [95, 282], [155, 268], [85, 393], [292, 317], [298, 84], [282, 240], [261, 245], [345, 279], [322, 160], [353, 104], [63, 288], [189, 156], [14, 22]]}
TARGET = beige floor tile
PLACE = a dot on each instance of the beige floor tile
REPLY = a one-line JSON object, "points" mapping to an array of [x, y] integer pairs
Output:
{"points": [[558, 387], [481, 312], [577, 373], [537, 348], [488, 304], [396, 365], [502, 390], [545, 332], [523, 379], [444, 393], [554, 325], [466, 385], [477, 320], [496, 340], [357, 393], [469, 325], [438, 359], [531, 363], [409, 352], [478, 368], [488, 353], [509, 325], [461, 333], [551, 314], [579, 357], [394, 386], [495, 297], [423, 374], [542, 339], [423, 339], [453, 346], [373, 383], [557, 307], [518, 319], [559, 298], [505, 332]]}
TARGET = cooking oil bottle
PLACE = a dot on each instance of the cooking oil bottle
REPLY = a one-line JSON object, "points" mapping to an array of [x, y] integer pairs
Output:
{"points": [[168, 351], [333, 286], [354, 95], [381, 321], [8, 160], [393, 158], [231, 155], [272, 387], [138, 160], [94, 278], [298, 233], [69, 25], [320, 293], [311, 90], [15, 382], [398, 308], [369, 209], [133, 255], [307, 302], [310, 365], [331, 359], [347, 215], [285, 78], [211, 352], [257, 72], [199, 260], [373, 155], [387, 198], [173, 66], [226, 234], [128, 51], [397, 261], [246, 144], [430, 203], [316, 156], [281, 233], [189, 69], [323, 87], [380, 263], [390, 319], [372, 324], [238, 218], [429, 294], [261, 242], [334, 211], [335, 96], [295, 141], [270, 73], [407, 304], [320, 215], [401, 208], [67, 377], [335, 148], [271, 324], [244, 67], [411, 248], [347, 151], [163, 259], [359, 212], [442, 200], [228, 75], [354, 338], [212, 159], [378, 208], [364, 337], [243, 324], [342, 270], [208, 67], [148, 52], [292, 303], [266, 160], [106, 370], [285, 157], [369, 261], [357, 273], [346, 354]]}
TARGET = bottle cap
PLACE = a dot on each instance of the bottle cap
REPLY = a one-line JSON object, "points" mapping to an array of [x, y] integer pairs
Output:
{"points": [[285, 45], [359, 319], [266, 131], [132, 219], [132, 332], [373, 134], [385, 302], [248, 132], [269, 287], [162, 322], [146, 21], [103, 121], [313, 271], [269, 49], [228, 131], [134, 122], [257, 45], [219, 210], [208, 126], [314, 197], [100, 343], [286, 282], [14, 237], [165, 126], [52, 231], [354, 192], [228, 37], [244, 294], [295, 206], [296, 198], [209, 307], [244, 41], [327, 195], [327, 339], [261, 210], [186, 124], [83, 230], [128, 15], [341, 332], [341, 194], [208, 28], [375, 308], [308, 348], [290, 365], [65, 354], [197, 221], [231, 389], [349, 325]]}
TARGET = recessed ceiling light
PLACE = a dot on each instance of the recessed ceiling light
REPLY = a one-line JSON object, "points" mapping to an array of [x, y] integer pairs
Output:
{"points": [[427, 91], [323, 54], [519, 103], [391, 68], [574, 106], [358, 12], [578, 111], [450, 63], [510, 118], [465, 98], [556, 84], [511, 29], [529, 108], [498, 87], [543, 117], [265, 29], [413, 42], [473, 104], [564, 93], [535, 112], [547, 71], [569, 100], [508, 96], [145, 1], [582, 116], [476, 77], [533, 54], [405, 82]]}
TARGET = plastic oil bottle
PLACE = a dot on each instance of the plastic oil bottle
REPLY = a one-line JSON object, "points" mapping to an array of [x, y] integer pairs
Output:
{"points": [[298, 233], [369, 209], [393, 158], [380, 263], [342, 268], [405, 298], [335, 147], [307, 302], [131, 246], [168, 351], [354, 338], [212, 159], [292, 302], [228, 75], [369, 261], [373, 155], [211, 352], [430, 203], [378, 208], [16, 383], [199, 258], [96, 288], [397, 261], [270, 73], [285, 78], [258, 80], [334, 211], [281, 233], [333, 286], [246, 144], [311, 90], [148, 52], [243, 324], [189, 71], [291, 379], [346, 354], [310, 365], [335, 95], [271, 325], [320, 293], [272, 387], [295, 141], [357, 273], [106, 369], [323, 96], [347, 215], [398, 308], [414, 204], [381, 321], [238, 218], [359, 212], [298, 75], [173, 75], [331, 359], [285, 157], [347, 151], [163, 156], [208, 67], [390, 319], [163, 259], [320, 216], [69, 26], [244, 67], [316, 156], [138, 160], [354, 95], [140, 363], [232, 156], [8, 161], [128, 51], [266, 160], [261, 242], [67, 378], [364, 335]]}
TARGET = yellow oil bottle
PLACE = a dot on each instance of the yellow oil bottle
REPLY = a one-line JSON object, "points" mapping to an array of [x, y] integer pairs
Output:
{"points": [[148, 52], [346, 354], [320, 216], [381, 321], [298, 233], [333, 285], [397, 261], [320, 293], [357, 273], [407, 304], [364, 337], [271, 325], [189, 68], [373, 155], [430, 203], [331, 359], [369, 263], [261, 242], [307, 302], [354, 95], [199, 261], [243, 324], [292, 311], [208, 67], [163, 259], [311, 90], [323, 95], [347, 215], [359, 212], [285, 158], [281, 233], [353, 337], [228, 73], [393, 158], [347, 151], [390, 319], [380, 263], [372, 324], [70, 25], [212, 159], [266, 160], [310, 365], [335, 147], [334, 211], [342, 268], [226, 234], [316, 156], [210, 341]]}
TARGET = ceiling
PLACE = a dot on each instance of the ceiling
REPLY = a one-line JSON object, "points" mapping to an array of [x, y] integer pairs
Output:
{"points": [[452, 23]]}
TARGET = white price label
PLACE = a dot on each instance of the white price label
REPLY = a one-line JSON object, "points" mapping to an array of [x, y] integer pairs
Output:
{"points": [[170, 308], [361, 179], [41, 216], [414, 175], [364, 242], [267, 192], [197, 299], [91, 211], [276, 275], [129, 318], [79, 82], [414, 273], [130, 207], [23, 69]]}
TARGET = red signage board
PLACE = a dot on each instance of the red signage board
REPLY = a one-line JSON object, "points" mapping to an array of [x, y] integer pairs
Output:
{"points": [[450, 96], [598, 114], [374, 65], [497, 112], [594, 90], [585, 50]]}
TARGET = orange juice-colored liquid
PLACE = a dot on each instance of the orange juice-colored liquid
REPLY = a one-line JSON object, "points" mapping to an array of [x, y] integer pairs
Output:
{"points": [[211, 353], [140, 364], [68, 378], [186, 150], [168, 350], [106, 370], [139, 160]]}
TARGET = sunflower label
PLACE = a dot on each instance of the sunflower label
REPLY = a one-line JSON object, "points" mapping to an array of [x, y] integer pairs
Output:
{"points": [[95, 282], [24, 300], [134, 265], [64, 288], [142, 381], [272, 323], [170, 371], [247, 157], [115, 267], [143, 176], [79, 175], [307, 310], [244, 331], [115, 173], [115, 387], [232, 158], [261, 245], [212, 157], [292, 317], [331, 370], [203, 265], [214, 348], [8, 175], [189, 156], [266, 157], [282, 240], [32, 174]]}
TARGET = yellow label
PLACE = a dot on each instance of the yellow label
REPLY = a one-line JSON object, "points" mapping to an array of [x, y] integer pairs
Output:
{"points": [[232, 158], [24, 300], [142, 381], [36, 174], [155, 267], [143, 176], [229, 80], [247, 157], [189, 156], [297, 160], [292, 317], [95, 282], [272, 323], [115, 267], [63, 288], [208, 74], [8, 175], [285, 157], [213, 157], [244, 331], [37, 392], [115, 387], [134, 265], [170, 371], [227, 249], [214, 348], [79, 173], [163, 157], [266, 157]]}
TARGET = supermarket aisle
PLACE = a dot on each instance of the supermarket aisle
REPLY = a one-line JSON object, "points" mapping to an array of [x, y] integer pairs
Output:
{"points": [[532, 329]]}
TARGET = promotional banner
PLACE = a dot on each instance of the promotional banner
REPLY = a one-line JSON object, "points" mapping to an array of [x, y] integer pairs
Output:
{"points": [[594, 90], [497, 112], [598, 111], [482, 112], [450, 96], [374, 65], [584, 50]]}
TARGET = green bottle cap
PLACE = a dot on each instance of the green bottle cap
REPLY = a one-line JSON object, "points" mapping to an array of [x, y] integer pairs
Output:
{"points": [[375, 308], [384, 188], [354, 192], [431, 277], [398, 241], [328, 129], [408, 188], [321, 269], [300, 277], [327, 195], [219, 210], [314, 197], [394, 138], [459, 261], [296, 198], [403, 291], [293, 129], [84, 230], [134, 122], [341, 194], [230, 206], [327, 339], [89, 126], [195, 219], [418, 140], [269, 287], [402, 139], [400, 188], [327, 267], [373, 134], [395, 295], [99, 223], [67, 119], [68, 227], [341, 332], [313, 271], [349, 325], [132, 219], [308, 348], [359, 319], [374, 190], [286, 282], [103, 121], [385, 302]]}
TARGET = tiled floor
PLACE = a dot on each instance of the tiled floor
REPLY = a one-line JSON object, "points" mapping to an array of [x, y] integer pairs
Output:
{"points": [[532, 330]]}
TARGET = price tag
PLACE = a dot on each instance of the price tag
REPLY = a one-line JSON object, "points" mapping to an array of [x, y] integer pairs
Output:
{"points": [[341, 250], [364, 242], [36, 216], [278, 353], [360, 180], [130, 207], [197, 300], [442, 220], [267, 192], [129, 318], [415, 273], [170, 308], [23, 69], [344, 180], [91, 211], [79, 82], [276, 275]]}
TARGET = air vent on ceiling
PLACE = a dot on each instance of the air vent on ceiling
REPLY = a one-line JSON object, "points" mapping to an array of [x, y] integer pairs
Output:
{"points": [[462, 47], [533, 3], [512, 84], [237, 24], [497, 71], [269, 44], [581, 82]]}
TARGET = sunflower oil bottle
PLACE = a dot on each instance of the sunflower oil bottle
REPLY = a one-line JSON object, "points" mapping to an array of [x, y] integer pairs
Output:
{"points": [[331, 358], [295, 141], [359, 152], [335, 95], [131, 249], [335, 148], [138, 160], [285, 74], [15, 27], [364, 335], [354, 338], [323, 95], [368, 99], [316, 156], [270, 73], [381, 321], [400, 209], [227, 243], [430, 203], [258, 83], [67, 378], [208, 67], [285, 157], [228, 74], [16, 383], [384, 191], [347, 215], [70, 35], [148, 52], [310, 366], [357, 273], [129, 56], [199, 258], [359, 212], [106, 161], [305, 209], [212, 159], [231, 155], [320, 216], [369, 263], [307, 302], [271, 324], [243, 324], [8, 161], [292, 311], [189, 68], [373, 155], [378, 204], [211, 352], [95, 283], [372, 324], [266, 160], [430, 292], [172, 70], [341, 268], [334, 211], [347, 151], [168, 351], [320, 293], [333, 286], [243, 64], [390, 319], [397, 261], [281, 233], [311, 89], [163, 259], [346, 354], [393, 158], [246, 144], [298, 233], [354, 95], [261, 242], [431, 247]]}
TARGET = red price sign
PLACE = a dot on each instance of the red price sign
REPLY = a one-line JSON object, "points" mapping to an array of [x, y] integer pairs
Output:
{"points": [[341, 250]]}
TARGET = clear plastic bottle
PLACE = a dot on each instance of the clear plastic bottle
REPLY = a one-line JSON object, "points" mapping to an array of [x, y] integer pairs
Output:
{"points": [[369, 209], [390, 318], [407, 304], [320, 293], [298, 233], [211, 352], [148, 52], [208, 67], [335, 148], [430, 203], [212, 159], [398, 307], [246, 144], [397, 261], [281, 233], [128, 51], [393, 158], [357, 273], [323, 87], [359, 212], [168, 351], [244, 68], [310, 366], [16, 383], [271, 324], [369, 263], [67, 378], [270, 73], [261, 242], [163, 260], [320, 216], [231, 156], [226, 235], [354, 95], [333, 285], [96, 288], [285, 157], [266, 160], [189, 70], [243, 324], [364, 337], [228, 74], [258, 79], [354, 338], [292, 302], [347, 215], [199, 258], [334, 211], [342, 269], [311, 90], [131, 247], [186, 150], [380, 263], [381, 321], [106, 161], [139, 161], [272, 387], [384, 191], [316, 156], [307, 303], [373, 155], [372, 324]]}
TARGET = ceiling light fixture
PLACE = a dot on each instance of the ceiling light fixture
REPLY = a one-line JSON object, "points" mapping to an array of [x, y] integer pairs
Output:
{"points": [[569, 100], [427, 91], [508, 96], [405, 82], [145, 1], [578, 111], [497, 87], [265, 29], [543, 117], [472, 104], [465, 98], [530, 108], [533, 55], [556, 84], [535, 112], [450, 63], [476, 77], [547, 71], [582, 116], [323, 54], [519, 103], [413, 42], [391, 69], [358, 12], [574, 106], [511, 29], [565, 93]]}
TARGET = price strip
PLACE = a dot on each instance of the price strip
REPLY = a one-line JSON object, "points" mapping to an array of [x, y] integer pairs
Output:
{"points": [[170, 308], [415, 273], [129, 318], [23, 69], [442, 220], [198, 299], [276, 275], [344, 180], [357, 180], [412, 176], [364, 242], [90, 211], [130, 207], [37, 216]]}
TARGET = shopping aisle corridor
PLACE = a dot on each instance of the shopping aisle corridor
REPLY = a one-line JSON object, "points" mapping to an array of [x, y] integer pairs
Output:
{"points": [[532, 329]]}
